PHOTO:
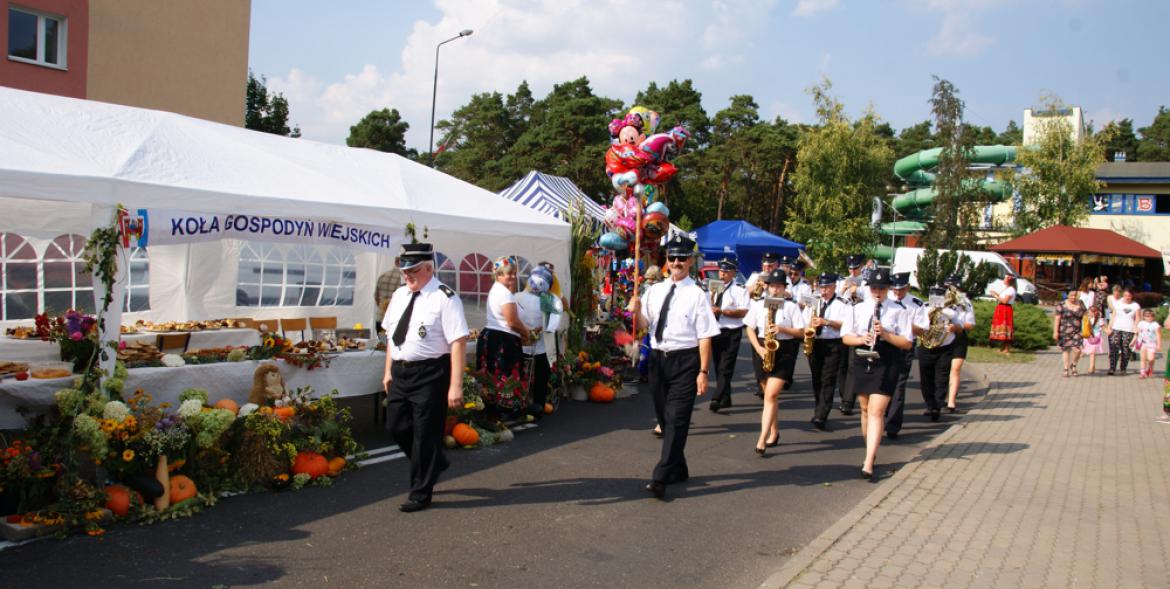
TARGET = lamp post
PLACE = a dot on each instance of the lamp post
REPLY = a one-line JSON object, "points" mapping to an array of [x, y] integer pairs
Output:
{"points": [[435, 89]]}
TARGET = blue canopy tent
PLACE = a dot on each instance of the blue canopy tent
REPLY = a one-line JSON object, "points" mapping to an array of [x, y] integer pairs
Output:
{"points": [[743, 241]]}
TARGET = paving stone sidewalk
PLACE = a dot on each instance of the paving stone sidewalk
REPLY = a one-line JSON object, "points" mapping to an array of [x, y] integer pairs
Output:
{"points": [[1049, 482]]}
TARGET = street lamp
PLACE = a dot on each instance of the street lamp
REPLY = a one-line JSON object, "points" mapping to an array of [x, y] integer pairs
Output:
{"points": [[435, 89]]}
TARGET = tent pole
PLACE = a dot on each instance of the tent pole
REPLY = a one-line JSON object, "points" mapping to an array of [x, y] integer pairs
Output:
{"points": [[637, 259]]}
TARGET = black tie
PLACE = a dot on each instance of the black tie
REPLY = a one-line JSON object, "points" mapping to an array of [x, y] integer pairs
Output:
{"points": [[900, 304], [719, 299], [658, 331], [404, 321]]}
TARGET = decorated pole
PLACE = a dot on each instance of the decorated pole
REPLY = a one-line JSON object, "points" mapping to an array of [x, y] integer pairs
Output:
{"points": [[637, 258]]}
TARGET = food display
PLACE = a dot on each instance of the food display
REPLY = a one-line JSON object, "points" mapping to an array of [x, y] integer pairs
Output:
{"points": [[22, 333], [9, 368], [351, 345], [125, 329], [51, 370], [168, 326], [138, 352]]}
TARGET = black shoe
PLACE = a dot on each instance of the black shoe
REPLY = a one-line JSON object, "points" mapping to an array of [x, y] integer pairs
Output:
{"points": [[657, 489], [846, 410], [761, 451], [935, 414], [866, 475], [413, 506], [952, 409], [891, 435], [773, 443], [725, 403], [657, 433], [713, 407], [819, 424]]}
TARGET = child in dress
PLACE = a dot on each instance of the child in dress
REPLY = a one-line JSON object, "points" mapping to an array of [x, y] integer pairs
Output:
{"points": [[1147, 342], [1093, 342]]}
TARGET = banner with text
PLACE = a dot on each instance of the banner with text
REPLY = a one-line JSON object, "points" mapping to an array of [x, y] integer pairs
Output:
{"points": [[146, 227]]}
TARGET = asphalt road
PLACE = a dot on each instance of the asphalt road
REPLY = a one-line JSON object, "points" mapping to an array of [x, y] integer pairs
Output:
{"points": [[561, 506]]}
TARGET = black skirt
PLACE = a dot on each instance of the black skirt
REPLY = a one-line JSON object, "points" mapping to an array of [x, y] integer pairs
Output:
{"points": [[960, 350], [785, 360], [876, 375]]}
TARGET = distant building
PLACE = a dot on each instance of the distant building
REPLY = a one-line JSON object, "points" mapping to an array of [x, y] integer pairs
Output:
{"points": [[185, 57], [1135, 202], [1034, 118]]}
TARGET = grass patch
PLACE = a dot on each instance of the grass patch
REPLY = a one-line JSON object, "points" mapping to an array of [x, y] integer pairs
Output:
{"points": [[990, 356]]}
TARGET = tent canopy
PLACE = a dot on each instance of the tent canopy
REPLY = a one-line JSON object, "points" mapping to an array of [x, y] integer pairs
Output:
{"points": [[1065, 239], [743, 241], [551, 195]]}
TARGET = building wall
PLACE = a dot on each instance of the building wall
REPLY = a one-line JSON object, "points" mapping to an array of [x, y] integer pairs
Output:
{"points": [[70, 81], [1033, 120], [184, 57]]}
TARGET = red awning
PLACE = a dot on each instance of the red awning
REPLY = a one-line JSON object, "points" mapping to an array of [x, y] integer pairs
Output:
{"points": [[1078, 240]]}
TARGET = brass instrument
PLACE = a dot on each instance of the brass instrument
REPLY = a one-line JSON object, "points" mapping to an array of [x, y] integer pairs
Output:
{"points": [[810, 332], [940, 316], [853, 289], [758, 288], [870, 352], [771, 344]]}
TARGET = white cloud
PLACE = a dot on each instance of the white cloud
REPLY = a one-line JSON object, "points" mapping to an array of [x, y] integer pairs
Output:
{"points": [[541, 41], [957, 34], [785, 110], [1103, 116], [810, 7]]}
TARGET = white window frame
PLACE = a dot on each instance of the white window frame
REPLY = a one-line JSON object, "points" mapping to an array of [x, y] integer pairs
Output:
{"points": [[137, 256], [476, 273], [74, 257], [62, 39], [295, 262], [6, 258]]}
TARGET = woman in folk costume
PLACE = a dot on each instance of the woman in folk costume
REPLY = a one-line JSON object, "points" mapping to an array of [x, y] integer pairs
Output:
{"points": [[1003, 323]]}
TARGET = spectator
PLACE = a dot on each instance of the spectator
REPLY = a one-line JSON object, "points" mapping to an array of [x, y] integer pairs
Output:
{"points": [[388, 282]]}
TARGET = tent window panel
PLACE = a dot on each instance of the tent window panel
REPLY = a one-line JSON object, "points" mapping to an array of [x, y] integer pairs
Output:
{"points": [[20, 305], [329, 296], [66, 283], [138, 282], [18, 278], [525, 271], [270, 296], [248, 295], [475, 277], [445, 270], [345, 295]]}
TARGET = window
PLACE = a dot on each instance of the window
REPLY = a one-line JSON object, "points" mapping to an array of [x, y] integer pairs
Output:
{"points": [[475, 277], [66, 285], [295, 276], [137, 281], [36, 38], [18, 273], [522, 274], [445, 270]]}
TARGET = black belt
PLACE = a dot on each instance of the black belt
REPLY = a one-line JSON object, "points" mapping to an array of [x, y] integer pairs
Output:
{"points": [[673, 353], [423, 362], [828, 339], [730, 328]]}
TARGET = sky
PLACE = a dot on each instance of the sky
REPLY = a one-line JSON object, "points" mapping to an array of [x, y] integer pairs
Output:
{"points": [[335, 62]]}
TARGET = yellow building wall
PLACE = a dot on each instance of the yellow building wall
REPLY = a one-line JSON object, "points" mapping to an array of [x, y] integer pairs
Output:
{"points": [[1150, 230], [185, 56]]}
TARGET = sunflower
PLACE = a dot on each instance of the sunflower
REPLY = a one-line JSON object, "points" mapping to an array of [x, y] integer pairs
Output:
{"points": [[127, 455]]}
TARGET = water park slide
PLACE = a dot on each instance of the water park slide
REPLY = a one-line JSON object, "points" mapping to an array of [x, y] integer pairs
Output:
{"points": [[914, 170]]}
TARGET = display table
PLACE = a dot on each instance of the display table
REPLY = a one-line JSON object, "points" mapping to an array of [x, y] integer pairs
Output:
{"points": [[35, 350], [351, 373]]}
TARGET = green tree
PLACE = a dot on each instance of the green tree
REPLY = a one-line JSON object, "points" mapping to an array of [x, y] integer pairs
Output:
{"points": [[1059, 176], [519, 107], [914, 139], [383, 130], [934, 266], [842, 167], [475, 141], [1012, 135], [953, 215], [266, 112], [1155, 142], [678, 103], [1121, 140]]}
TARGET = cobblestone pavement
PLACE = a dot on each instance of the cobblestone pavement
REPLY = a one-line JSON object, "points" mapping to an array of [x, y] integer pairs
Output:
{"points": [[1049, 482]]}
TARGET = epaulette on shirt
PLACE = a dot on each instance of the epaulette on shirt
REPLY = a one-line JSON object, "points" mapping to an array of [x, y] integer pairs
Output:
{"points": [[917, 301], [447, 290]]}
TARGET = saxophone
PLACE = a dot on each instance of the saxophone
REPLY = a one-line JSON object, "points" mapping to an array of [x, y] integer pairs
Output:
{"points": [[757, 291], [770, 342], [940, 319], [810, 332]]}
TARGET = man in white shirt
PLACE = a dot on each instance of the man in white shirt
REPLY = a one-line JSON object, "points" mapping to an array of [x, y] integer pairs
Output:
{"points": [[826, 316], [730, 304], [426, 342], [678, 314], [911, 305], [798, 288]]}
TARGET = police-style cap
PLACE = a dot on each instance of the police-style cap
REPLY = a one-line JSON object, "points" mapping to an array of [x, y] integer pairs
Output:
{"points": [[775, 277], [728, 264], [680, 246], [786, 260], [953, 280], [854, 261], [414, 254], [769, 257], [899, 280], [796, 265], [937, 290], [827, 278], [880, 279]]}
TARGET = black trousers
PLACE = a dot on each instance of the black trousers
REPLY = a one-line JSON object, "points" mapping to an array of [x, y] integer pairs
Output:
{"points": [[724, 349], [539, 390], [416, 408], [934, 369], [848, 399], [896, 410], [673, 385], [824, 364]]}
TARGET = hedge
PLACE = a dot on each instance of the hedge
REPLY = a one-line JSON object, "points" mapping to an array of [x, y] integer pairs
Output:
{"points": [[1033, 326]]}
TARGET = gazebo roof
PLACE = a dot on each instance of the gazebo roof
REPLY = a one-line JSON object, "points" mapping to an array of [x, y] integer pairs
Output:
{"points": [[1078, 240]]}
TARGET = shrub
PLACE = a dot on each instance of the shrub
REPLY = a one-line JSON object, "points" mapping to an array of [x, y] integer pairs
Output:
{"points": [[1160, 315], [1033, 326], [934, 266]]}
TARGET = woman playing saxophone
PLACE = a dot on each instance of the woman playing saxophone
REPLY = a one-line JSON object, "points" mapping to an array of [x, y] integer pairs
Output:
{"points": [[777, 320]]}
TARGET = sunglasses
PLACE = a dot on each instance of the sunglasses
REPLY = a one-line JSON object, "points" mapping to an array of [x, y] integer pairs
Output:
{"points": [[413, 271], [677, 258]]}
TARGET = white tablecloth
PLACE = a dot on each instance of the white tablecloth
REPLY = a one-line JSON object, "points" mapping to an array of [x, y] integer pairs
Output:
{"points": [[20, 350], [351, 373]]}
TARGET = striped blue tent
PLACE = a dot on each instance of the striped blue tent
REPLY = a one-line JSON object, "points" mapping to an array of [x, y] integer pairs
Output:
{"points": [[551, 195]]}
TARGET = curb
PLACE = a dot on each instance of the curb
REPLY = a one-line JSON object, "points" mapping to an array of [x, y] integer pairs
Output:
{"points": [[822, 543]]}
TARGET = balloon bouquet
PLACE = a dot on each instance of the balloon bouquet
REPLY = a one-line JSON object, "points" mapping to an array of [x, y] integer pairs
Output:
{"points": [[638, 165]]}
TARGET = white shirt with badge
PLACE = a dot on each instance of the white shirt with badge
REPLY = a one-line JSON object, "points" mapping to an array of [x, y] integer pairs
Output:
{"points": [[894, 319], [800, 291], [436, 321], [917, 310], [834, 309], [787, 315], [690, 320], [735, 297], [498, 296], [528, 307], [863, 293]]}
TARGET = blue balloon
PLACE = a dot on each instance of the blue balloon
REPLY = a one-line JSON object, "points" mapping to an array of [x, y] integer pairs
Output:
{"points": [[613, 241]]}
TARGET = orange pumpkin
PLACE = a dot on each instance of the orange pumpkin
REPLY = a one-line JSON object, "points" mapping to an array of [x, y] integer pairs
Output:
{"points": [[228, 404], [449, 425], [600, 393], [465, 435], [182, 488], [336, 465], [310, 463], [285, 413], [119, 500], [548, 408], [176, 464]]}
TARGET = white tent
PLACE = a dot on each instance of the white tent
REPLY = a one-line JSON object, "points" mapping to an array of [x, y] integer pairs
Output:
{"points": [[66, 163], [551, 195]]}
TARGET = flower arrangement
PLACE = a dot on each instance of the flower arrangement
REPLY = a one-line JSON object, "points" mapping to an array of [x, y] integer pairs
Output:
{"points": [[506, 391], [74, 332]]}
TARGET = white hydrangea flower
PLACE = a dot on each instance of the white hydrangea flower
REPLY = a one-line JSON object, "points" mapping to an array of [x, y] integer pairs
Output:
{"points": [[190, 407], [115, 410], [173, 360], [248, 409]]}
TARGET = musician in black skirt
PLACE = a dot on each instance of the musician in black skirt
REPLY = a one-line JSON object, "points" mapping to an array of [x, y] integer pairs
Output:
{"points": [[959, 352], [784, 320], [877, 329]]}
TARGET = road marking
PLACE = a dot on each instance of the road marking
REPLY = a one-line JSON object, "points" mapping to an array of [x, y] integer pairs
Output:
{"points": [[380, 459]]}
